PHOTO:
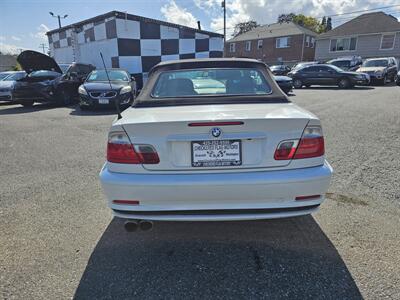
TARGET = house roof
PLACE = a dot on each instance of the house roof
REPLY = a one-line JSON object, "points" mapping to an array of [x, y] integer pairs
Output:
{"points": [[376, 22], [123, 15], [273, 30]]}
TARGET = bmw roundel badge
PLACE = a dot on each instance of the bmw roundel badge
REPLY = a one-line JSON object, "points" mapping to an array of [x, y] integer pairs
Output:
{"points": [[216, 132]]}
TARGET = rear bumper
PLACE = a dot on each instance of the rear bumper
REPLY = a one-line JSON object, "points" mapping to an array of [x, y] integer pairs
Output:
{"points": [[216, 197]]}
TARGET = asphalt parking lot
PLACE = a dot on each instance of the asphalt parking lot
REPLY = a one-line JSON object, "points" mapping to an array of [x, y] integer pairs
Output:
{"points": [[58, 239]]}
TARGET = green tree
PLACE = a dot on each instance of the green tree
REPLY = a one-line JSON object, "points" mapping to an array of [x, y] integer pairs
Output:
{"points": [[17, 67], [286, 18], [329, 24], [323, 22], [243, 27], [305, 21]]}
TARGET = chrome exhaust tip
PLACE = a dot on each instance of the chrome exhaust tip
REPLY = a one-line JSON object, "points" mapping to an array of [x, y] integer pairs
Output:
{"points": [[146, 225], [131, 226]]}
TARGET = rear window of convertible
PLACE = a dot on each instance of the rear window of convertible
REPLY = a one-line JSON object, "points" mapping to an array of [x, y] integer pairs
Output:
{"points": [[210, 82]]}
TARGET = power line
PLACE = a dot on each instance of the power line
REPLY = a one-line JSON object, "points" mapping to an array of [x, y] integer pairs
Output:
{"points": [[394, 12], [360, 11]]}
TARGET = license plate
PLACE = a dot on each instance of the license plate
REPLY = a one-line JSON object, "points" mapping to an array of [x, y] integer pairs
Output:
{"points": [[103, 101], [218, 153]]}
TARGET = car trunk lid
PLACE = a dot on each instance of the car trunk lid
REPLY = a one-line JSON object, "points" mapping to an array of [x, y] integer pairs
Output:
{"points": [[182, 133]]}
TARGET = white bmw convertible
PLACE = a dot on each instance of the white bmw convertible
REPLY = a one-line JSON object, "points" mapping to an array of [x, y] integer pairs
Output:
{"points": [[213, 140]]}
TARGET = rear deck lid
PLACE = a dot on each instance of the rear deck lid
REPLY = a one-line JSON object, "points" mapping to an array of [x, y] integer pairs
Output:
{"points": [[248, 134]]}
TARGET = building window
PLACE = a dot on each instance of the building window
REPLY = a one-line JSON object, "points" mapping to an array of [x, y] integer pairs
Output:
{"points": [[248, 45], [312, 42], [387, 41], [343, 44], [259, 44], [232, 47], [307, 41], [283, 42]]}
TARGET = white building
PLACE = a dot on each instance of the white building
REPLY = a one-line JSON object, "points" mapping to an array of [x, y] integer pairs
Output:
{"points": [[131, 42]]}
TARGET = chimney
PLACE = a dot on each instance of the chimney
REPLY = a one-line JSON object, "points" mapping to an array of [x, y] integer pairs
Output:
{"points": [[198, 25]]}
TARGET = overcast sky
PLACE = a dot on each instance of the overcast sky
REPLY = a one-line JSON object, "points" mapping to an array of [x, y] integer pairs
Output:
{"points": [[23, 23]]}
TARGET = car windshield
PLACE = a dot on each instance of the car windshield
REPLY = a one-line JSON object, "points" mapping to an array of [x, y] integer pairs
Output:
{"points": [[375, 63], [44, 73], [15, 76], [337, 69], [64, 67], [210, 82], [302, 65], [114, 75], [344, 64], [4, 75]]}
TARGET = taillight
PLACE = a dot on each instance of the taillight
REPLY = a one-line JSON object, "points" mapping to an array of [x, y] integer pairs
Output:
{"points": [[286, 149], [310, 145], [120, 150]]}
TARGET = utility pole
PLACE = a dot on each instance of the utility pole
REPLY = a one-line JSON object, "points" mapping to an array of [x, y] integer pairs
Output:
{"points": [[58, 17], [43, 46], [223, 5]]}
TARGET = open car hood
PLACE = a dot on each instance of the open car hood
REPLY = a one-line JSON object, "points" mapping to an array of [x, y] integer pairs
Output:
{"points": [[35, 61]]}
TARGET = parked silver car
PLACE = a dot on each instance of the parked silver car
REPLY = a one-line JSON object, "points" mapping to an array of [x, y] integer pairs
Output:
{"points": [[7, 85]]}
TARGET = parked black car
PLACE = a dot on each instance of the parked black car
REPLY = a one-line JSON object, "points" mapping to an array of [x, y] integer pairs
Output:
{"points": [[280, 69], [398, 79], [380, 69], [347, 63], [321, 74], [45, 80], [285, 83], [303, 64], [96, 90]]}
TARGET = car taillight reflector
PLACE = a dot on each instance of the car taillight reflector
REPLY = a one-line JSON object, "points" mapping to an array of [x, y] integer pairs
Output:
{"points": [[199, 124], [310, 145], [311, 197], [126, 202], [286, 150], [120, 150], [147, 154]]}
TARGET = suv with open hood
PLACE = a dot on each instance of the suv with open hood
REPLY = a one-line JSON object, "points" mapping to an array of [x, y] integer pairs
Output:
{"points": [[47, 81]]}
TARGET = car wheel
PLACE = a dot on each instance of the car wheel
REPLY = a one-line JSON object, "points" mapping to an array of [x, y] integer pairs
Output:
{"points": [[297, 83], [27, 103], [344, 83]]}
